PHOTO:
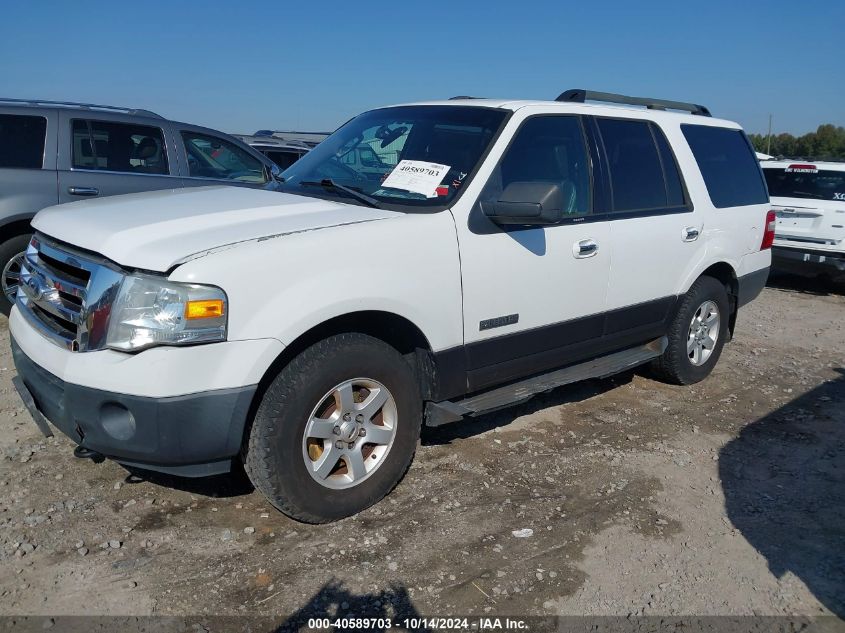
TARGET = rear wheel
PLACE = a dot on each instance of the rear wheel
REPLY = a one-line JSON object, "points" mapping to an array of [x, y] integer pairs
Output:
{"points": [[11, 257], [696, 335], [336, 429]]}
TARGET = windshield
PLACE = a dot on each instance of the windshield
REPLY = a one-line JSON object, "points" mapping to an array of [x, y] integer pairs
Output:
{"points": [[805, 182], [417, 156]]}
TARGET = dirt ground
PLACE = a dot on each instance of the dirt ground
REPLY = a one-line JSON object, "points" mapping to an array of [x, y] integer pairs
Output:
{"points": [[722, 498]]}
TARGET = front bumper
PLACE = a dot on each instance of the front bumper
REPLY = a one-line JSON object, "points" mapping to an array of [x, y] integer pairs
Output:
{"points": [[191, 435], [807, 260]]}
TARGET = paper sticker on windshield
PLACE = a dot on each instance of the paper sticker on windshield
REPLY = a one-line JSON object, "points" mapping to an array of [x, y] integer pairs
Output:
{"points": [[417, 176]]}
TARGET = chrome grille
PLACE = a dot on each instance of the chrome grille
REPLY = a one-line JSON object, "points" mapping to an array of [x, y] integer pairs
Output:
{"points": [[66, 295]]}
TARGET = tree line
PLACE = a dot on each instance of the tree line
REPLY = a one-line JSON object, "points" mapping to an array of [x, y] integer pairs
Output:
{"points": [[826, 143]]}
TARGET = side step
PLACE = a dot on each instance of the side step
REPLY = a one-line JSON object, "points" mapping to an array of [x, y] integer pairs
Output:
{"points": [[439, 413]]}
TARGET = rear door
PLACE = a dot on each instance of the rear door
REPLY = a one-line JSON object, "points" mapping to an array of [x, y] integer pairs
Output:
{"points": [[809, 201], [27, 162], [655, 231], [105, 154]]}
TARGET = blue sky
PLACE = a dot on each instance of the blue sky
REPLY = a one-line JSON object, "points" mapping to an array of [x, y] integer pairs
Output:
{"points": [[241, 66]]}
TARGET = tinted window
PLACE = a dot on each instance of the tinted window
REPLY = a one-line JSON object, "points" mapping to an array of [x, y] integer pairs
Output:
{"points": [[22, 141], [547, 149], [674, 184], [214, 157], [803, 181], [728, 165], [123, 147], [636, 175], [283, 158]]}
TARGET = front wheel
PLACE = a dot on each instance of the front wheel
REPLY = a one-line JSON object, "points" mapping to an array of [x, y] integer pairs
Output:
{"points": [[336, 429], [12, 252], [696, 335]]}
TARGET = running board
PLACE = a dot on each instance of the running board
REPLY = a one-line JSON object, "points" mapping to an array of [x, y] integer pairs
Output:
{"points": [[439, 413]]}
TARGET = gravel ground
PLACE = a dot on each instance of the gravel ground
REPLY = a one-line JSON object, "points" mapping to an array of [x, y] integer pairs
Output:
{"points": [[622, 496]]}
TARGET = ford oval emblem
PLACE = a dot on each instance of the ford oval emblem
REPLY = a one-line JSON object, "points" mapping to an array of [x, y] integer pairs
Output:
{"points": [[33, 289]]}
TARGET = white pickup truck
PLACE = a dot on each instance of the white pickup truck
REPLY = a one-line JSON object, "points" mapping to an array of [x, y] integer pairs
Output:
{"points": [[504, 248]]}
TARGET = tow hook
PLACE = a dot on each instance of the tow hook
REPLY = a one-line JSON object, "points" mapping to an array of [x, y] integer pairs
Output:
{"points": [[86, 453]]}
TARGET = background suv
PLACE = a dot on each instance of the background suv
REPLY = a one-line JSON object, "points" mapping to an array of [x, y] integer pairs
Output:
{"points": [[809, 200], [282, 152], [56, 152]]}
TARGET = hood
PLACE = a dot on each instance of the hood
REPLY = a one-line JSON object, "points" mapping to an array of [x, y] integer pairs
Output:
{"points": [[157, 230]]}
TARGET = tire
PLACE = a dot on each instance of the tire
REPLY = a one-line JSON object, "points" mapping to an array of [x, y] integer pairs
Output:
{"points": [[680, 366], [9, 249], [284, 462]]}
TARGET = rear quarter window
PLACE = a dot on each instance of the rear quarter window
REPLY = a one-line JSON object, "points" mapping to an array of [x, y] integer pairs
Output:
{"points": [[728, 165], [22, 141]]}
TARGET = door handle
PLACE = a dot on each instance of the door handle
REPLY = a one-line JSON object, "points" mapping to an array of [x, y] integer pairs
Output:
{"points": [[691, 234], [83, 191], [585, 248]]}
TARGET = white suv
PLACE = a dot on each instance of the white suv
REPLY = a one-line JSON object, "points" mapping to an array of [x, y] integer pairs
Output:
{"points": [[506, 248], [809, 200]]}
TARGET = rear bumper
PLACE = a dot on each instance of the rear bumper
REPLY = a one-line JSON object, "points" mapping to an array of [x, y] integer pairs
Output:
{"points": [[806, 259], [190, 435], [751, 285]]}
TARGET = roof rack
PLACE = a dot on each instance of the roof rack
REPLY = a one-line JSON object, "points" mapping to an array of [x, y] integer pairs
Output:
{"points": [[272, 141], [580, 96], [86, 106], [272, 132]]}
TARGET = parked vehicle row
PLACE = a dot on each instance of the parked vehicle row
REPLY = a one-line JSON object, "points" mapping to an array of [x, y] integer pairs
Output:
{"points": [[282, 152], [490, 250], [52, 153]]}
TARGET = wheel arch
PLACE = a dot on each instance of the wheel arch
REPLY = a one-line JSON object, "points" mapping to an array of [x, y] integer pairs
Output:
{"points": [[14, 226], [725, 273], [395, 330]]}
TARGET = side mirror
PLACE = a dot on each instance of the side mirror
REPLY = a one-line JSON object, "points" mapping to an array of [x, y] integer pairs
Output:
{"points": [[531, 203], [276, 173]]}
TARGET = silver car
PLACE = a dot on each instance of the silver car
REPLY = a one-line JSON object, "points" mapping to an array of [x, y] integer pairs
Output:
{"points": [[57, 152]]}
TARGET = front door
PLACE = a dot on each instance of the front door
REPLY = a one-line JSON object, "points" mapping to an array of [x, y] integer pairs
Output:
{"points": [[212, 160], [534, 297]]}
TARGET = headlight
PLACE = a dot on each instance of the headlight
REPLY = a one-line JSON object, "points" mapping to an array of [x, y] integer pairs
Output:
{"points": [[152, 311]]}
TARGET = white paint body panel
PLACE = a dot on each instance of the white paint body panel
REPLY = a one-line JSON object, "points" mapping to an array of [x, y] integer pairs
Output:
{"points": [[281, 287], [651, 258], [531, 272], [157, 230]]}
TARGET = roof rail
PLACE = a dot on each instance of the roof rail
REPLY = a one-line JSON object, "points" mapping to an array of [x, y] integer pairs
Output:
{"points": [[463, 97], [272, 132], [580, 96], [86, 106]]}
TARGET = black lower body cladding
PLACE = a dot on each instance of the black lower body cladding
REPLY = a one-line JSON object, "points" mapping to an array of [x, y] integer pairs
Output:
{"points": [[751, 285], [192, 435]]}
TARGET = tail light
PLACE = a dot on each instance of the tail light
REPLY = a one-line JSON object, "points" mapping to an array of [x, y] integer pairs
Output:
{"points": [[769, 231]]}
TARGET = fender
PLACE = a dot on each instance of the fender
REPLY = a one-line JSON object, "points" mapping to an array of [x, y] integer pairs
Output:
{"points": [[282, 287]]}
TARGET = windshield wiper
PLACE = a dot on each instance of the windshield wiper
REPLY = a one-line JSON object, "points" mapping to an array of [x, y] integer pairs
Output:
{"points": [[328, 183]]}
